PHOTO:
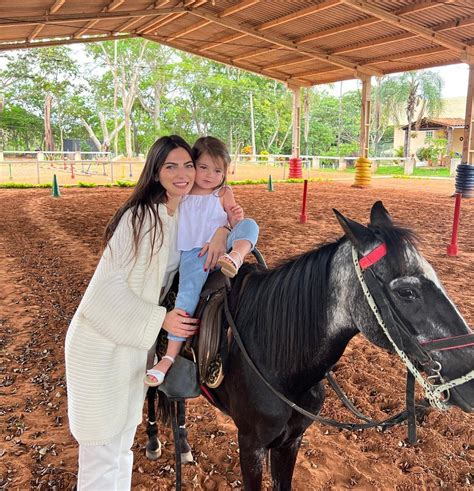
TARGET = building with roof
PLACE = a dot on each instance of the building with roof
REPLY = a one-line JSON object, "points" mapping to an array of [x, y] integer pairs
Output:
{"points": [[449, 124]]}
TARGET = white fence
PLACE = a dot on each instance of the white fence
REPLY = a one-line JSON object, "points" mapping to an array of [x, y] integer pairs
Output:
{"points": [[101, 168]]}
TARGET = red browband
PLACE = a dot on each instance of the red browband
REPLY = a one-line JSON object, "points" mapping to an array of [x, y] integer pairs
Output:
{"points": [[373, 256]]}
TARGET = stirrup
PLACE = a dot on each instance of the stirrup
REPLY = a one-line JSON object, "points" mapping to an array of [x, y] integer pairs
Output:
{"points": [[157, 374], [230, 270]]}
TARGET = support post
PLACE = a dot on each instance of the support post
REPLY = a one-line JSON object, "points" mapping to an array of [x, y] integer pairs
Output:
{"points": [[296, 170], [303, 215], [252, 125], [453, 167], [362, 164], [409, 166], [468, 140], [452, 249]]}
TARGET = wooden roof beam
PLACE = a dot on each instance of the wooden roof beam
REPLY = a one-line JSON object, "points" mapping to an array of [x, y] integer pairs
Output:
{"points": [[35, 32], [255, 52], [80, 17], [223, 59], [393, 19], [281, 64], [154, 25], [372, 43], [418, 6], [350, 26], [223, 40], [297, 15], [9, 45], [154, 5], [414, 7], [398, 37], [114, 4], [446, 26], [317, 54], [406, 54], [56, 6], [189, 29], [245, 4], [315, 73]]}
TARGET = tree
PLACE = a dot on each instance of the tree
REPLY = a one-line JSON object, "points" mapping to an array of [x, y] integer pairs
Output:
{"points": [[40, 81], [125, 60], [418, 94]]}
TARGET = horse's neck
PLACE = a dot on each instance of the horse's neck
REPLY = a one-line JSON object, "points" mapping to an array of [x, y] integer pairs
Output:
{"points": [[340, 328], [328, 345]]}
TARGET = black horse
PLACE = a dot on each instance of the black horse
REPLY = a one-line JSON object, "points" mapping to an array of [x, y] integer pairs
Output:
{"points": [[296, 320]]}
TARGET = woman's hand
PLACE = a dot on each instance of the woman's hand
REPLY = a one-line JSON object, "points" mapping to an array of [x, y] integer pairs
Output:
{"points": [[179, 323], [215, 248]]}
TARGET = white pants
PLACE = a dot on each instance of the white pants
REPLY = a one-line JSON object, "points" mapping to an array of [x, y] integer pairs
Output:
{"points": [[107, 467]]}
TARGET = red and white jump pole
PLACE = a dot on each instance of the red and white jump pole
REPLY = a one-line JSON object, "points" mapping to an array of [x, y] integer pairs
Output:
{"points": [[304, 216], [453, 247]]}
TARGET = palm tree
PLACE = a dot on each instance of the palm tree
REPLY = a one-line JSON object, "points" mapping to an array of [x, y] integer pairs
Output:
{"points": [[418, 93]]}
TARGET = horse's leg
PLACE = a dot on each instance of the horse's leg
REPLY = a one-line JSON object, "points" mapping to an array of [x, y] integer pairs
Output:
{"points": [[282, 461], [186, 454], [153, 447], [252, 456]]}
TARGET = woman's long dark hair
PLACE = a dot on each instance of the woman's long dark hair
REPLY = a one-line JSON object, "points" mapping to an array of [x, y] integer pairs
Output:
{"points": [[147, 193]]}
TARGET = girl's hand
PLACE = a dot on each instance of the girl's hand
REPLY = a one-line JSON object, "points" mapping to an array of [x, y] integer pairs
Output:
{"points": [[215, 248], [179, 323], [235, 214]]}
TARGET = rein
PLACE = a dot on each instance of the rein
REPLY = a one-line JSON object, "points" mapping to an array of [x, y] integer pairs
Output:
{"points": [[386, 423]]}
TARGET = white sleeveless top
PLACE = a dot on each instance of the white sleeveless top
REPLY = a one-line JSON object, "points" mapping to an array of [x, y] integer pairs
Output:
{"points": [[199, 217]]}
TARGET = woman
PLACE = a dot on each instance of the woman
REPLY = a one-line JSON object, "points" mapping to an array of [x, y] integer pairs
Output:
{"points": [[119, 317]]}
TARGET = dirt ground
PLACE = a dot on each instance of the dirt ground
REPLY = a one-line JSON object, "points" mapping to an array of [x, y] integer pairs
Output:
{"points": [[49, 248]]}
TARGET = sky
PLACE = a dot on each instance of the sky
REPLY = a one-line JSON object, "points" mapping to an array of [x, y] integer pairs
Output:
{"points": [[455, 79]]}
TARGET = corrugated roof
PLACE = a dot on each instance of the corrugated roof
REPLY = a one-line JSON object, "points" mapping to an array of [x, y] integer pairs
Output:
{"points": [[340, 39], [431, 123]]}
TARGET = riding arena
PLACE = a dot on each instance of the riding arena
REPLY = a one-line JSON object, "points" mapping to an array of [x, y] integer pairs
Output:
{"points": [[50, 249]]}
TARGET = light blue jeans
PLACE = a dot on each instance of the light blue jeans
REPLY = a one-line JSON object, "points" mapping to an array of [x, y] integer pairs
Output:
{"points": [[191, 268]]}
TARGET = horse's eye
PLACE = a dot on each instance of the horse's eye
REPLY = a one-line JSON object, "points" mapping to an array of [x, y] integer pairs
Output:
{"points": [[407, 293]]}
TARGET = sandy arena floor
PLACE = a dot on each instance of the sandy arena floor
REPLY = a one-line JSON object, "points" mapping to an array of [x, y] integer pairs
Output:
{"points": [[49, 249]]}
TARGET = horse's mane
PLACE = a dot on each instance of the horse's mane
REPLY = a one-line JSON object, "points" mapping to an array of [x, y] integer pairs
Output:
{"points": [[283, 311]]}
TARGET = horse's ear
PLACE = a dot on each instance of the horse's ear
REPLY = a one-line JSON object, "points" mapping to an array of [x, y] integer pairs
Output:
{"points": [[379, 216], [357, 233]]}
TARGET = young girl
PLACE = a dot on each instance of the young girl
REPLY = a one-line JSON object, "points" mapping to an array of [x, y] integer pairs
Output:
{"points": [[209, 206]]}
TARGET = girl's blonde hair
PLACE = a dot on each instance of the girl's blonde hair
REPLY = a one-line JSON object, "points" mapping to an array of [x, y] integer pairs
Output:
{"points": [[216, 149]]}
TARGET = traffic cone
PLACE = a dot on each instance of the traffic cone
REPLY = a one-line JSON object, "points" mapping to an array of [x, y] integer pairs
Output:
{"points": [[56, 193], [270, 183]]}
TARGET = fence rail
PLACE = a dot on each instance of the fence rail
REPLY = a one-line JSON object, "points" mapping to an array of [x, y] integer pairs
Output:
{"points": [[100, 167]]}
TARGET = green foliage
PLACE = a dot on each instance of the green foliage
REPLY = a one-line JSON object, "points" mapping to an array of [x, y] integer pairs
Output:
{"points": [[22, 185], [435, 149], [125, 184], [188, 95], [82, 184]]}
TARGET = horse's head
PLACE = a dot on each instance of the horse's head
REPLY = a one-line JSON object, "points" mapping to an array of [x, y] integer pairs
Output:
{"points": [[411, 303]]}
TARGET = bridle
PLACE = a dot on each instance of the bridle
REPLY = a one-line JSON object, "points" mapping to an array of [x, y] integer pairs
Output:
{"points": [[403, 342]]}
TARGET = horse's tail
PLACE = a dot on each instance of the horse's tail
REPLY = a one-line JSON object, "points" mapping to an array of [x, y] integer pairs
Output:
{"points": [[164, 408]]}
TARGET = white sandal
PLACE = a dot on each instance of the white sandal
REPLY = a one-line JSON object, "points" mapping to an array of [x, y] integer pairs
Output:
{"points": [[229, 265], [157, 375]]}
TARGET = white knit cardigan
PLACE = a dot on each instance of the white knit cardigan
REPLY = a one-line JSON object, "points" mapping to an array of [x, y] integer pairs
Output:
{"points": [[114, 326]]}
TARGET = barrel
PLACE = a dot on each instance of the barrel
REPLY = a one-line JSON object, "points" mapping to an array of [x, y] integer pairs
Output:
{"points": [[465, 180]]}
